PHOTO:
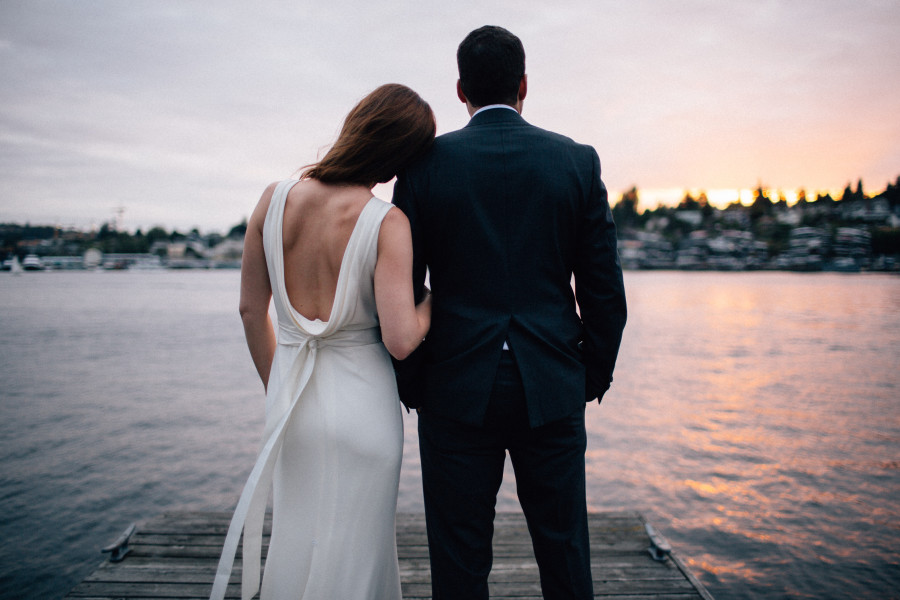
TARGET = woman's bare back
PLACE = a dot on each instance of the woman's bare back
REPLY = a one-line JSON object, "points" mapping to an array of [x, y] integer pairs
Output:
{"points": [[318, 221]]}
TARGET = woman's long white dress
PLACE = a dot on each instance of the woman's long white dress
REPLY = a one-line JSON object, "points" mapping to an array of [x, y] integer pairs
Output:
{"points": [[333, 441]]}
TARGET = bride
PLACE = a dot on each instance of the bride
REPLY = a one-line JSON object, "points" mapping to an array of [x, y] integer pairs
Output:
{"points": [[338, 264]]}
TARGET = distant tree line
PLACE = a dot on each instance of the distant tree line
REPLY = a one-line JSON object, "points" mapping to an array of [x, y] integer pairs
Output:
{"points": [[758, 218], [16, 239], [761, 216]]}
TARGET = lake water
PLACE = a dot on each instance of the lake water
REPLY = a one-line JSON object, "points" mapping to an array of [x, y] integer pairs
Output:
{"points": [[754, 418]]}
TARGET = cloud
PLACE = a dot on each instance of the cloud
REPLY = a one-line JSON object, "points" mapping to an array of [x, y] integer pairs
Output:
{"points": [[182, 112]]}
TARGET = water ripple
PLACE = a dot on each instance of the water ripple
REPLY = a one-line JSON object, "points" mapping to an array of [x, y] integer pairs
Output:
{"points": [[753, 419]]}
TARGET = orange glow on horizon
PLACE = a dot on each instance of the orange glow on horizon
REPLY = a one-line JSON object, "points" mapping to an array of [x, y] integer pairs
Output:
{"points": [[649, 199]]}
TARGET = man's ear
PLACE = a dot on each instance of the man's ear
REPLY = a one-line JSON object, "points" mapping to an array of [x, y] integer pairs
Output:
{"points": [[523, 87], [459, 92]]}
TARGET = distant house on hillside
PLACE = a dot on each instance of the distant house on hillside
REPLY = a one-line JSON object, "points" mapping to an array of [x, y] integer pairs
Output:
{"points": [[227, 253]]}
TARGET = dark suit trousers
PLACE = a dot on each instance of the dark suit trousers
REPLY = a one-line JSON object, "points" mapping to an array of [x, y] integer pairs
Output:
{"points": [[462, 468]]}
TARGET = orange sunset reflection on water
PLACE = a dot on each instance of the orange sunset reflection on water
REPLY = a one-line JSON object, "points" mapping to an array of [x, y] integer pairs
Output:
{"points": [[753, 418]]}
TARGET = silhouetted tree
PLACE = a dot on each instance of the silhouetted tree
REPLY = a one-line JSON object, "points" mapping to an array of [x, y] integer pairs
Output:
{"points": [[892, 194], [156, 234], [762, 204], [239, 230], [705, 207], [105, 232], [847, 195], [625, 211], [689, 203], [782, 200], [850, 196]]}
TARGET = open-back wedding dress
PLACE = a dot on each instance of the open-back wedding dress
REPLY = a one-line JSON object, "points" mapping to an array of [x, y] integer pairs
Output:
{"points": [[332, 444]]}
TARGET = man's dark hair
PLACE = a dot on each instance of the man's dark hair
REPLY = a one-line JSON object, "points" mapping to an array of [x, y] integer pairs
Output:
{"points": [[491, 63]]}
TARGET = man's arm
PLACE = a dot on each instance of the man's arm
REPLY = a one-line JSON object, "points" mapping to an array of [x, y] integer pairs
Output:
{"points": [[599, 288]]}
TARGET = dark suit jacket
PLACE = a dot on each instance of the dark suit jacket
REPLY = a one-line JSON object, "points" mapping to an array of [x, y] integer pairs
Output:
{"points": [[503, 214]]}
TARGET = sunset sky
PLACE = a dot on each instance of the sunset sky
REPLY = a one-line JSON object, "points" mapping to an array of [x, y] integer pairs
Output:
{"points": [[180, 112]]}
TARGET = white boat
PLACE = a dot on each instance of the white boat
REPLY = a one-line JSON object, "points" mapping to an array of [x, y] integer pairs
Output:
{"points": [[12, 264], [33, 262]]}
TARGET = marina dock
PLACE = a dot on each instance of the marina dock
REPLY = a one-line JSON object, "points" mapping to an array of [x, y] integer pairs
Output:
{"points": [[175, 554]]}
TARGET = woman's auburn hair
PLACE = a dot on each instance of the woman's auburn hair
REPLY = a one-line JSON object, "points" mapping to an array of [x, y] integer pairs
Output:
{"points": [[383, 133]]}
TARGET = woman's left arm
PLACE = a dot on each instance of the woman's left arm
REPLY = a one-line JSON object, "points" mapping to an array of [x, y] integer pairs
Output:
{"points": [[403, 322], [256, 292]]}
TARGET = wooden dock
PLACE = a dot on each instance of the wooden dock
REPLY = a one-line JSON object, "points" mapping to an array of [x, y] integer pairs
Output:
{"points": [[175, 554]]}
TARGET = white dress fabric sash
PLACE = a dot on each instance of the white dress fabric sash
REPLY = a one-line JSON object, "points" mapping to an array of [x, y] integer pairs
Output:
{"points": [[299, 344]]}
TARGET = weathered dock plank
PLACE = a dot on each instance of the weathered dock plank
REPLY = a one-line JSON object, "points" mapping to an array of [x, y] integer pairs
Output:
{"points": [[175, 554]]}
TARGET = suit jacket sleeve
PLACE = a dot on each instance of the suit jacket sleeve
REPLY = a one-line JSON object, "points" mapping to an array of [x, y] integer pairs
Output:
{"points": [[599, 288]]}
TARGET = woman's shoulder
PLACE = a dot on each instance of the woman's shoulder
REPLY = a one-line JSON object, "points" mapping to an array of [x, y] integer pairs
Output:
{"points": [[266, 198], [394, 226], [262, 206], [394, 219]]}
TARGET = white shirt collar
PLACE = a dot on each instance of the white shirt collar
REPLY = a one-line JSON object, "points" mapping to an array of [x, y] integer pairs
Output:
{"points": [[490, 106]]}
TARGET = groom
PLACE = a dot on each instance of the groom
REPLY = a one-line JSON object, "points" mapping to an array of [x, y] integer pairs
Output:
{"points": [[502, 215]]}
